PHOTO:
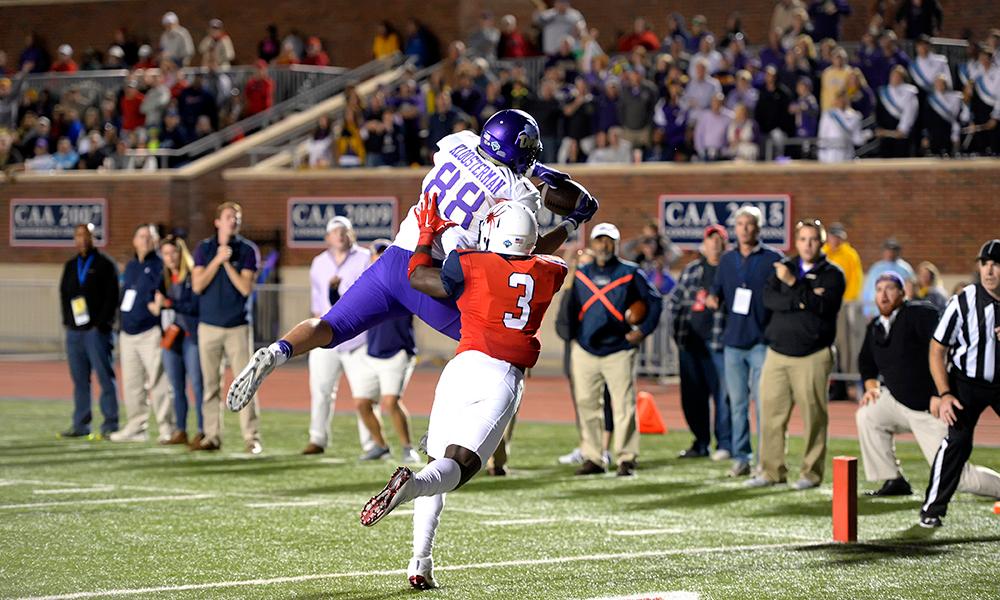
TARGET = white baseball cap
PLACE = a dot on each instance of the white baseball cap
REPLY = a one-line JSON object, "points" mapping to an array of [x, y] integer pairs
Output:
{"points": [[605, 229], [170, 18], [66, 50], [339, 221]]}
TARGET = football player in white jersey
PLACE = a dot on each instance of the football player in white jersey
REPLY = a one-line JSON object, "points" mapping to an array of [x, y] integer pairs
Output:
{"points": [[470, 175]]}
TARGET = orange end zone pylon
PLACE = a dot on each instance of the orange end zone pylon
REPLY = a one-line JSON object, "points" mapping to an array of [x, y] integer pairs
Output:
{"points": [[845, 499]]}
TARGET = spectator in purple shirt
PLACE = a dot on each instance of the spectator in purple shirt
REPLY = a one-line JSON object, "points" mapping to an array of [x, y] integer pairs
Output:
{"points": [[710, 131], [744, 93], [699, 29], [606, 115], [805, 109], [773, 54], [826, 16], [671, 119], [466, 97]]}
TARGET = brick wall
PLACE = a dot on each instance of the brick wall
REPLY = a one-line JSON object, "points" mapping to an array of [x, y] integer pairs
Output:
{"points": [[347, 27], [939, 211]]}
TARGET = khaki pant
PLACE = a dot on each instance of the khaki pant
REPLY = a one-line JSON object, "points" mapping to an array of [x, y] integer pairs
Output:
{"points": [[233, 343], [792, 380], [142, 373], [590, 374], [880, 421]]}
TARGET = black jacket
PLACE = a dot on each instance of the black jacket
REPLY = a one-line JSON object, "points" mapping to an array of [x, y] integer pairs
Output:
{"points": [[901, 358], [802, 321], [100, 288]]}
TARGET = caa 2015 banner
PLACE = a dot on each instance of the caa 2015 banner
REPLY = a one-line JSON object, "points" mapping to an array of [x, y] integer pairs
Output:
{"points": [[49, 222], [373, 217], [684, 217]]}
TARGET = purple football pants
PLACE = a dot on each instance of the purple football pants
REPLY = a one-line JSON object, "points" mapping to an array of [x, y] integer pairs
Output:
{"points": [[383, 292]]}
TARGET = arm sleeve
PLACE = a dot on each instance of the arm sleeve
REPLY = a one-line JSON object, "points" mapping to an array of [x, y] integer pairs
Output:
{"points": [[316, 293], [200, 260], [778, 297], [452, 276], [107, 313], [250, 258], [909, 115], [64, 294], [866, 360], [950, 323], [716, 288], [654, 302], [828, 303]]}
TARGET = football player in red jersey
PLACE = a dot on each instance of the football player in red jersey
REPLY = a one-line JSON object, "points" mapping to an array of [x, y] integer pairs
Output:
{"points": [[502, 291]]}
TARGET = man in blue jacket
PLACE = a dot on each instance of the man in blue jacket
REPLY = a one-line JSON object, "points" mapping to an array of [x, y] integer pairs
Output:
{"points": [[605, 346], [739, 287], [141, 356]]}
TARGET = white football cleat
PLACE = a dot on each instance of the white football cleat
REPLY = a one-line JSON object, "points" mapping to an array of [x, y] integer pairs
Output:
{"points": [[573, 458], [421, 573], [248, 381], [392, 495]]}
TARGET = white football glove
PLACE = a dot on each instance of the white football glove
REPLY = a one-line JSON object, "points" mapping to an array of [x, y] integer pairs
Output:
{"points": [[248, 381]]}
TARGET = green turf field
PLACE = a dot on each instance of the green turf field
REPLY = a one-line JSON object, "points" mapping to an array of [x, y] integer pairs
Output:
{"points": [[92, 519]]}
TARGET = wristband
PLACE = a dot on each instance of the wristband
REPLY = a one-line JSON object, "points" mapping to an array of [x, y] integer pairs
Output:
{"points": [[419, 259], [946, 393], [570, 226], [426, 238]]}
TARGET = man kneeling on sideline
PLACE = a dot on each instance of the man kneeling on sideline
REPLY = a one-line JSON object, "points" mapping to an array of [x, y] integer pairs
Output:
{"points": [[896, 348]]}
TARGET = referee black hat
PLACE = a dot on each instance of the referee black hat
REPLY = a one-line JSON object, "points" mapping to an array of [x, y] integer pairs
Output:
{"points": [[990, 251]]}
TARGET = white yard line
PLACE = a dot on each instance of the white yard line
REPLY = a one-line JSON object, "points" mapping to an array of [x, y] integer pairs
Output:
{"points": [[509, 522], [107, 501], [384, 572], [76, 490], [644, 532], [289, 504]]}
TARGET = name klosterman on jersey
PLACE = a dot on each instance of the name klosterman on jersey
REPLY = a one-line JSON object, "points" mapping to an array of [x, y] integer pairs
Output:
{"points": [[480, 169]]}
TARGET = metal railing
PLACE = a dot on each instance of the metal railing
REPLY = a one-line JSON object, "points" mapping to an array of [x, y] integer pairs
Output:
{"points": [[289, 80], [658, 353], [299, 102]]}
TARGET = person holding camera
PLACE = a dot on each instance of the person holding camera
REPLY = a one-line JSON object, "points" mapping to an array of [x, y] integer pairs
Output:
{"points": [[177, 306]]}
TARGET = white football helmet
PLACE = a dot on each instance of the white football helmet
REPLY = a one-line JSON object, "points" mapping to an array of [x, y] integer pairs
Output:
{"points": [[508, 228]]}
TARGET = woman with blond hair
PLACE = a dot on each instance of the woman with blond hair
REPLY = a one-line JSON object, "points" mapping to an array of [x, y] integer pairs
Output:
{"points": [[177, 306]]}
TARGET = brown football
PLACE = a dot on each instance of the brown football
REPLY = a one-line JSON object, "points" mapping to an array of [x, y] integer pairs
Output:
{"points": [[563, 199], [636, 312]]}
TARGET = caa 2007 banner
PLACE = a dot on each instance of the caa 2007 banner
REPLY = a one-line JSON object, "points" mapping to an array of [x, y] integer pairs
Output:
{"points": [[683, 217], [49, 222], [372, 217]]}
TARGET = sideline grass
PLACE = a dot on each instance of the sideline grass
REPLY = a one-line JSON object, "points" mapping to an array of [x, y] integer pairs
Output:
{"points": [[79, 517]]}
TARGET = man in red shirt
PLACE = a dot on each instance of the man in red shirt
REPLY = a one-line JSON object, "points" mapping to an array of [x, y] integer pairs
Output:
{"points": [[64, 63], [131, 102], [641, 35], [259, 91], [315, 55], [502, 291], [512, 42]]}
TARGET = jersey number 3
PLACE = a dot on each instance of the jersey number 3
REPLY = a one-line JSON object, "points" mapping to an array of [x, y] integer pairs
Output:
{"points": [[518, 280]]}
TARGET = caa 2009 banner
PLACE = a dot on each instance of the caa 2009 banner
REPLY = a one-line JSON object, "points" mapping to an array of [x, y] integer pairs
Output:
{"points": [[49, 222], [372, 217], [683, 217]]}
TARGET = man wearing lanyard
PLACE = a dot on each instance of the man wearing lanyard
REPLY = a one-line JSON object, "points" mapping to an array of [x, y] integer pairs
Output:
{"points": [[141, 355], [88, 295], [738, 286]]}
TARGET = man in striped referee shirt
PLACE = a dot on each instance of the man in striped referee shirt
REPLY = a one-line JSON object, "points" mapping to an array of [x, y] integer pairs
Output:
{"points": [[965, 364]]}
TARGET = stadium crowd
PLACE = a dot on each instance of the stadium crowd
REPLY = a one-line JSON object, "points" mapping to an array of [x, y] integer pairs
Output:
{"points": [[690, 94], [682, 93], [164, 102]]}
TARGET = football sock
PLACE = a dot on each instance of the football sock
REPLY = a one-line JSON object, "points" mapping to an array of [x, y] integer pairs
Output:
{"points": [[426, 516], [439, 476]]}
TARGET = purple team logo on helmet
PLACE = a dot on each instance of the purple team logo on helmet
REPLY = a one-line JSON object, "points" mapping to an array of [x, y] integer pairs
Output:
{"points": [[511, 137]]}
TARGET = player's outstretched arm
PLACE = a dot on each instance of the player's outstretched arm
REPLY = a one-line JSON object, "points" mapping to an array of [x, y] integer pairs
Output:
{"points": [[423, 276]]}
